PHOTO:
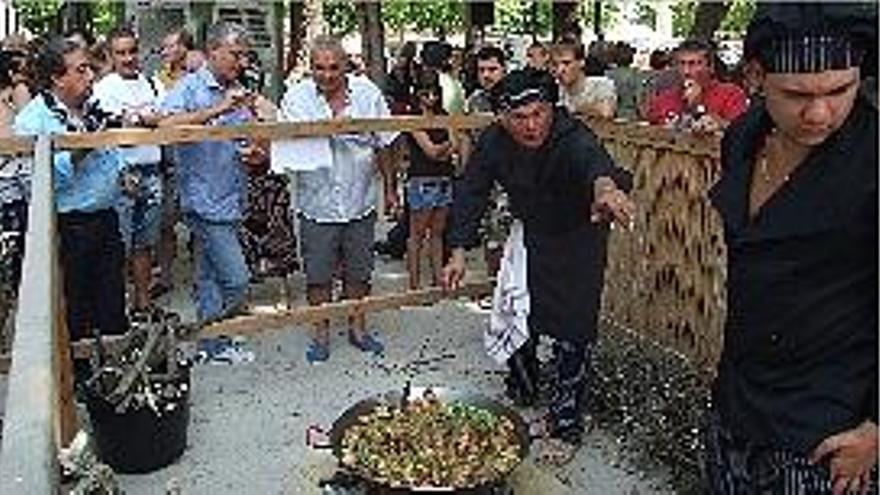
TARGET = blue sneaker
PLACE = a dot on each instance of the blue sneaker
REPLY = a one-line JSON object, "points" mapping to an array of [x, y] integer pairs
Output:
{"points": [[317, 352], [367, 343]]}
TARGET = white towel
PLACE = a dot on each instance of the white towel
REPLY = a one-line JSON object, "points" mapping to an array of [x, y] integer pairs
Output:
{"points": [[303, 103], [508, 325]]}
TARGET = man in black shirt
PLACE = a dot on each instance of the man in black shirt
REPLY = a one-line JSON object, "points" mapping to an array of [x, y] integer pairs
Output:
{"points": [[795, 399], [564, 188]]}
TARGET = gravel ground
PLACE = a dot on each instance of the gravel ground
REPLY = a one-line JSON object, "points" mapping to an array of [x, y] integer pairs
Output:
{"points": [[248, 421]]}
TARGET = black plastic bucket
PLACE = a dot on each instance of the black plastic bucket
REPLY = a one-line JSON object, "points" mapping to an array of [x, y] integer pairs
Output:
{"points": [[139, 440]]}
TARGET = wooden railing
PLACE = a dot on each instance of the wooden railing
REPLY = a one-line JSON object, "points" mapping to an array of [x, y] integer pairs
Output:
{"points": [[664, 279], [36, 420]]}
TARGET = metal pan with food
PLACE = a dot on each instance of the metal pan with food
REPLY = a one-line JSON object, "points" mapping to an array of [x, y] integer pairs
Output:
{"points": [[428, 439]]}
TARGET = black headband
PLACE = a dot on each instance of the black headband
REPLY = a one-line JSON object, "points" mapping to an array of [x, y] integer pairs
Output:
{"points": [[811, 37], [524, 86]]}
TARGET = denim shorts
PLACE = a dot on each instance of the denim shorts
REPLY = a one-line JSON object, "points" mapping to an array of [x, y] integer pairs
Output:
{"points": [[429, 192], [140, 216]]}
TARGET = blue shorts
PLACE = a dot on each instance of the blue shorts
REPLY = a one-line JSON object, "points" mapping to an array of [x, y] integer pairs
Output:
{"points": [[429, 192], [140, 216]]}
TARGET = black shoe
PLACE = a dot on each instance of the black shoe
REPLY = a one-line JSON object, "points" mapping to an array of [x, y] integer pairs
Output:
{"points": [[518, 394], [382, 247]]}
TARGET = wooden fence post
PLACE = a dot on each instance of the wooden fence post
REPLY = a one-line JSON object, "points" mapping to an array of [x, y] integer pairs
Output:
{"points": [[29, 463]]}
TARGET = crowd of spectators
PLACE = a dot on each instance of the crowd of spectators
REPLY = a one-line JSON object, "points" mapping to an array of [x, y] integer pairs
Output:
{"points": [[236, 202]]}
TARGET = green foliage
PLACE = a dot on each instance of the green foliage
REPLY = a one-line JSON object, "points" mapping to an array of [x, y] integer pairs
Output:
{"points": [[735, 22], [38, 16], [106, 15], [437, 16], [515, 16], [737, 19], [683, 14], [610, 14], [42, 17], [647, 15], [396, 14], [341, 17]]}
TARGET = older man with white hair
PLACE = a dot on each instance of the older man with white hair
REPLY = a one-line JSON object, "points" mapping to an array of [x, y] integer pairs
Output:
{"points": [[336, 185]]}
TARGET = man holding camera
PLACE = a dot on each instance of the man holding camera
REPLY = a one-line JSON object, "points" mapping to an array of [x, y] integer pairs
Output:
{"points": [[213, 182], [87, 188]]}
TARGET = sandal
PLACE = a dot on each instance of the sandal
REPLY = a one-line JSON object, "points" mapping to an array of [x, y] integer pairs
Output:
{"points": [[317, 352], [555, 452], [367, 343]]}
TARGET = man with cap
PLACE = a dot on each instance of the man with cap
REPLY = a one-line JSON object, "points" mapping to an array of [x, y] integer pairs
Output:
{"points": [[563, 188], [795, 398]]}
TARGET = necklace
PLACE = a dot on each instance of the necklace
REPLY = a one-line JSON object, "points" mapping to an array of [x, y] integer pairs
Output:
{"points": [[764, 166]]}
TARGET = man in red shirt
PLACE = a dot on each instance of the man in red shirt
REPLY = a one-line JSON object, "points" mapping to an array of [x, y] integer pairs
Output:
{"points": [[701, 99]]}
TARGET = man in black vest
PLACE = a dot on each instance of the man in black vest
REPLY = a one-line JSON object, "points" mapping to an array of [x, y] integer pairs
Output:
{"points": [[795, 399]]}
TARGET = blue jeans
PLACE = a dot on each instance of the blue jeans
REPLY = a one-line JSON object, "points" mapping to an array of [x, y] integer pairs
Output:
{"points": [[221, 273]]}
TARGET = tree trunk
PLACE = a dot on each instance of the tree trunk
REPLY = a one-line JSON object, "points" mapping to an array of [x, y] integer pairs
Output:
{"points": [[276, 86], [77, 16], [202, 16], [565, 19], [315, 23], [708, 18], [469, 28], [297, 34], [373, 40], [597, 20], [118, 9]]}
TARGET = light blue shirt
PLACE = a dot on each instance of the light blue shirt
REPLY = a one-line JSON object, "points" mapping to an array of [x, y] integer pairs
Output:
{"points": [[87, 186], [344, 188], [213, 183]]}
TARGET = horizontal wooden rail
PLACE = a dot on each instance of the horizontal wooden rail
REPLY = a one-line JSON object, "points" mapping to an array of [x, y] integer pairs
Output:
{"points": [[637, 133], [16, 145], [641, 134], [312, 314], [265, 130], [255, 323]]}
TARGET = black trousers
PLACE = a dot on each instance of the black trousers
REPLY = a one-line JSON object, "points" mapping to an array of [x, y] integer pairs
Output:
{"points": [[570, 383], [737, 466], [93, 268]]}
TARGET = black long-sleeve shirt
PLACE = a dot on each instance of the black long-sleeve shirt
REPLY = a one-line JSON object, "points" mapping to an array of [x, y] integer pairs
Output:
{"points": [[550, 190], [800, 344]]}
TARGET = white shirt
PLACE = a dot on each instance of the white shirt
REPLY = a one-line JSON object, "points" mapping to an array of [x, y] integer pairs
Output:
{"points": [[336, 175], [590, 90], [116, 95]]}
